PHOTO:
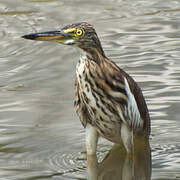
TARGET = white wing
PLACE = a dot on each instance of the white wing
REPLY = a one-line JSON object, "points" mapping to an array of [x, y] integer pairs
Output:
{"points": [[133, 117]]}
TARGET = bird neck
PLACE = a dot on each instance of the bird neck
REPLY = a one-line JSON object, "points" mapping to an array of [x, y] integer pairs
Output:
{"points": [[95, 54]]}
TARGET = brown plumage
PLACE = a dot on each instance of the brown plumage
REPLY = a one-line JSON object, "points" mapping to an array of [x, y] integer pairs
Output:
{"points": [[107, 100]]}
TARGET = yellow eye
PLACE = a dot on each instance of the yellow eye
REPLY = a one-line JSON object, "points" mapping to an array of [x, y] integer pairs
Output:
{"points": [[79, 32]]}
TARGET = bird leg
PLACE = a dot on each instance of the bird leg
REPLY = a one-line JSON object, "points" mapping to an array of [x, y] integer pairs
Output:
{"points": [[91, 140], [92, 167], [127, 138]]}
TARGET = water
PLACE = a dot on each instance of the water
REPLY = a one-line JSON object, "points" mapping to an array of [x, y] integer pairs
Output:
{"points": [[40, 134]]}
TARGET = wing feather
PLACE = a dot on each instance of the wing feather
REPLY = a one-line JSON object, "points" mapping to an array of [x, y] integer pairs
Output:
{"points": [[135, 111], [133, 115]]}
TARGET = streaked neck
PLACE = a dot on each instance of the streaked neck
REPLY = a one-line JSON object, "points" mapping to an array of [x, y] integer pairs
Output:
{"points": [[92, 54]]}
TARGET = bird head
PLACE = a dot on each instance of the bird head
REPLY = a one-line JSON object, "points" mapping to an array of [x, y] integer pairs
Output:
{"points": [[81, 35]]}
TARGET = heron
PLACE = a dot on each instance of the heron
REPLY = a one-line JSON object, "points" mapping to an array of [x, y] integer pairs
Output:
{"points": [[108, 100]]}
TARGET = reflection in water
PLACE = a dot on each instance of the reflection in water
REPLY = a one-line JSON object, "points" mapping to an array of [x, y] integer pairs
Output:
{"points": [[117, 165]]}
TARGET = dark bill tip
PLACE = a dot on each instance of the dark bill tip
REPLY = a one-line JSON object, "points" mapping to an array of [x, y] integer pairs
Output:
{"points": [[30, 36]]}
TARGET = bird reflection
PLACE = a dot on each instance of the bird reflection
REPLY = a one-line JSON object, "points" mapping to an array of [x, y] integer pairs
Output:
{"points": [[118, 165]]}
